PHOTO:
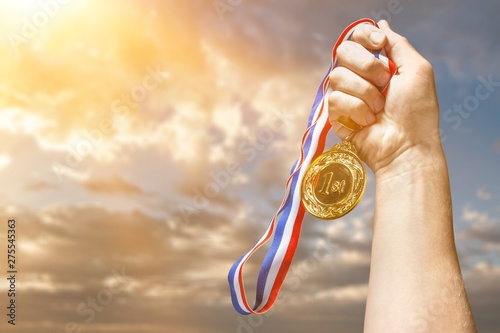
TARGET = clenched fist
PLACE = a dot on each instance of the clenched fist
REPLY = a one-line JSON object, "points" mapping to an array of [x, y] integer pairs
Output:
{"points": [[394, 126]]}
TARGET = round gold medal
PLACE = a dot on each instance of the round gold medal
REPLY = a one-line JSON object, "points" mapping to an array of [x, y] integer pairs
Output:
{"points": [[334, 182]]}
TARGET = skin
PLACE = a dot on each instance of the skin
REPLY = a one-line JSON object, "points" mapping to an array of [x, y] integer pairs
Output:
{"points": [[415, 280]]}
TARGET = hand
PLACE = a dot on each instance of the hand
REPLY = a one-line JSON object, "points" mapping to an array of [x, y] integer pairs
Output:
{"points": [[394, 126]]}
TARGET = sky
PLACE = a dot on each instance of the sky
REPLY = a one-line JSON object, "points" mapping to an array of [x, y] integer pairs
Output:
{"points": [[145, 145]]}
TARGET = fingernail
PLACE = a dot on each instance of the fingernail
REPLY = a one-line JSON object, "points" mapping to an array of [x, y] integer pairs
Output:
{"points": [[379, 104], [384, 78], [376, 37], [370, 118]]}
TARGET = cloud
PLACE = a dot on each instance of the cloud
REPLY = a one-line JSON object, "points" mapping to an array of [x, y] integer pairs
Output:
{"points": [[483, 290], [483, 194], [477, 237], [114, 185], [466, 30], [481, 227], [41, 185], [225, 85], [73, 252]]}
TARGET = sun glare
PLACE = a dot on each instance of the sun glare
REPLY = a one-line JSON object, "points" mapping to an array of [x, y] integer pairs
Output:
{"points": [[19, 7], [4, 160]]}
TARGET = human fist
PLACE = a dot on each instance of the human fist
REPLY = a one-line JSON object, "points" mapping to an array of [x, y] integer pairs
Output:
{"points": [[394, 125]]}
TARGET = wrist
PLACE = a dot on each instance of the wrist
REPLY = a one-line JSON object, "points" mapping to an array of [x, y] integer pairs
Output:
{"points": [[414, 162]]}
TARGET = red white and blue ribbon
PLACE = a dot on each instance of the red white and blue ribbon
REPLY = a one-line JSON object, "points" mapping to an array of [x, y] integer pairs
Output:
{"points": [[286, 228]]}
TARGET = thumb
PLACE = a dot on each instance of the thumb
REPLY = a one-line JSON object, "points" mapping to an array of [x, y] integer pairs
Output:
{"points": [[398, 49]]}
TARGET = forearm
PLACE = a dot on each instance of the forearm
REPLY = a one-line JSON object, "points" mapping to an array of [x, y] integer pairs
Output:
{"points": [[415, 279]]}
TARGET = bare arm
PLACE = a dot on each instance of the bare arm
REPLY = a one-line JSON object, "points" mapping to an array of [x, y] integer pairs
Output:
{"points": [[415, 280]]}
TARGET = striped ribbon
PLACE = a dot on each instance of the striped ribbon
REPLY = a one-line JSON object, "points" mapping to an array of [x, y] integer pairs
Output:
{"points": [[291, 212]]}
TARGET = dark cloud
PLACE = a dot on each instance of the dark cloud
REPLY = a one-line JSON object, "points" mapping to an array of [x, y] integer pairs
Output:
{"points": [[72, 253], [483, 290]]}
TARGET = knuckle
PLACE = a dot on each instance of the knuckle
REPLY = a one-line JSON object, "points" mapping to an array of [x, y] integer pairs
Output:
{"points": [[361, 32], [347, 49], [365, 89], [338, 75], [367, 64], [404, 40], [335, 76], [333, 99], [358, 105], [425, 67], [342, 50]]}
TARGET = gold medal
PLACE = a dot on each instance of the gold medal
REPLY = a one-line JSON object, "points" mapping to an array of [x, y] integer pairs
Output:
{"points": [[334, 182]]}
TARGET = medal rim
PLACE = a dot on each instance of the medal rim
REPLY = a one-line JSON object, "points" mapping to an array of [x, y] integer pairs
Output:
{"points": [[336, 150]]}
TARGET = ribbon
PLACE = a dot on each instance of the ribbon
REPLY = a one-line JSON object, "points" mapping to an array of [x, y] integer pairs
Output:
{"points": [[287, 228]]}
